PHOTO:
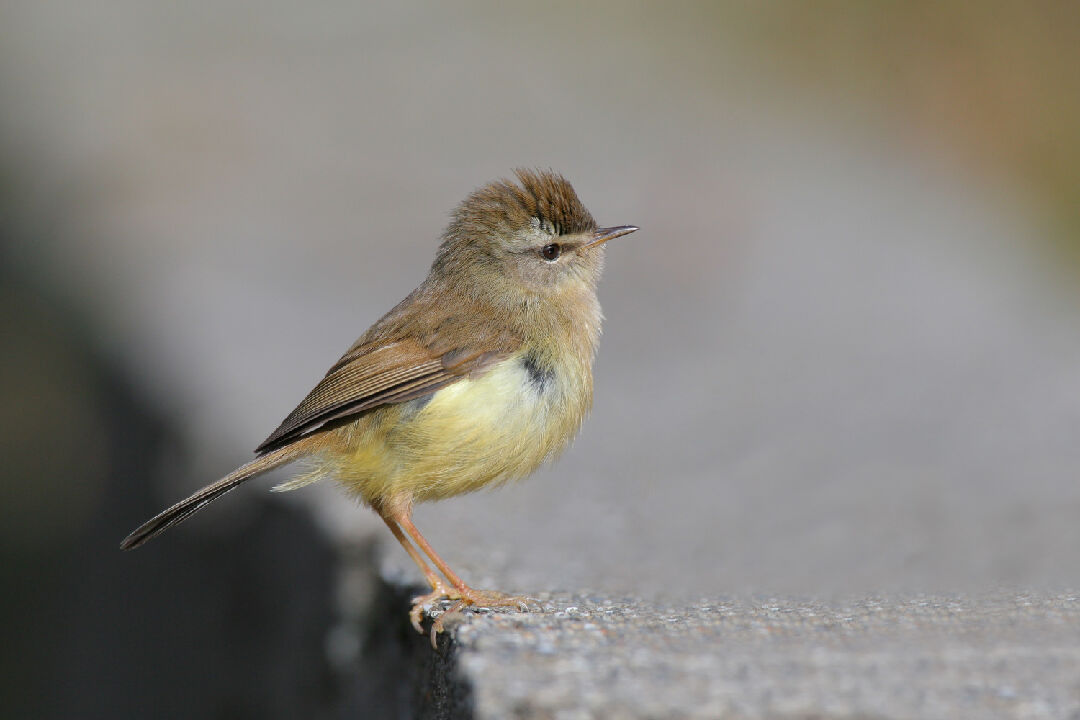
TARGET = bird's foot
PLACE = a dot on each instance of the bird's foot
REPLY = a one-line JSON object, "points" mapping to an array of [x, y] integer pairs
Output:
{"points": [[439, 591], [461, 598], [467, 597]]}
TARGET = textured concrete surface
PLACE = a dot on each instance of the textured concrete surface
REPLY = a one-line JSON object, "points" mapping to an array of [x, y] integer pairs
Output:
{"points": [[1005, 655]]}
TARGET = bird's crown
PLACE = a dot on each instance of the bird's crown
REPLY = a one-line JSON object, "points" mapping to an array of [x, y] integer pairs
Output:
{"points": [[540, 198]]}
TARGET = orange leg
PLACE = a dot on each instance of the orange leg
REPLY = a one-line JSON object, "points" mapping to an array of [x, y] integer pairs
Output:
{"points": [[404, 519], [464, 594], [429, 574], [438, 588]]}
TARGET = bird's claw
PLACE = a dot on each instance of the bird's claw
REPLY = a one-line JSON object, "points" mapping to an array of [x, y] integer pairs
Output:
{"points": [[438, 592], [463, 598]]}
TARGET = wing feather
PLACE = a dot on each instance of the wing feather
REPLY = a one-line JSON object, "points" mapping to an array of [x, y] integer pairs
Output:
{"points": [[368, 377]]}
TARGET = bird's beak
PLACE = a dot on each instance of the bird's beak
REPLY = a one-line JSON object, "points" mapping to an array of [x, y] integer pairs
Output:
{"points": [[602, 235]]}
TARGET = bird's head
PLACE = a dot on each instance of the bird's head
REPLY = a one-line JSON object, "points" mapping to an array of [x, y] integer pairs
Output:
{"points": [[530, 238]]}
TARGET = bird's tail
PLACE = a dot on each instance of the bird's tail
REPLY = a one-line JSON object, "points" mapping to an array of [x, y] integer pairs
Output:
{"points": [[183, 509]]}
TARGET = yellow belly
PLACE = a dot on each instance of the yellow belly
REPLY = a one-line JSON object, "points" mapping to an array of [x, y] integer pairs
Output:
{"points": [[475, 433]]}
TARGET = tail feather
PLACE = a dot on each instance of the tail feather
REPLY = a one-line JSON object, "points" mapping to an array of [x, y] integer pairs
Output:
{"points": [[185, 508]]}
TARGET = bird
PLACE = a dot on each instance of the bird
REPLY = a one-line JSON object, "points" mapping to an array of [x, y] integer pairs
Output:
{"points": [[480, 375]]}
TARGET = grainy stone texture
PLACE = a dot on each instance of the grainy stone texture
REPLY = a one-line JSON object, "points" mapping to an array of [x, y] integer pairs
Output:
{"points": [[1009, 655]]}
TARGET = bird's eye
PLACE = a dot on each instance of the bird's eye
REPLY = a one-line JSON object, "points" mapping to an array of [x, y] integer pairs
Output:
{"points": [[551, 252]]}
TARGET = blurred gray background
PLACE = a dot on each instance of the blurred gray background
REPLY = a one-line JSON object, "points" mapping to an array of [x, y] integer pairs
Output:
{"points": [[842, 355]]}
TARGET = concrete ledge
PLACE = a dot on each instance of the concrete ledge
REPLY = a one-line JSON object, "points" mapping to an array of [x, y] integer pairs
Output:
{"points": [[1003, 655]]}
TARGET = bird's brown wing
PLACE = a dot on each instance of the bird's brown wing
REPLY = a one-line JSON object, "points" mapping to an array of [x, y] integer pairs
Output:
{"points": [[379, 374]]}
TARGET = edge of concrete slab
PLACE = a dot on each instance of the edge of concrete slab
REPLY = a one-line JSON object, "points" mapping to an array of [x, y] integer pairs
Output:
{"points": [[1008, 654]]}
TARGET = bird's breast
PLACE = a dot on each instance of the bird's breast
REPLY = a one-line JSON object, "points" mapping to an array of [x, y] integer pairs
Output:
{"points": [[479, 431]]}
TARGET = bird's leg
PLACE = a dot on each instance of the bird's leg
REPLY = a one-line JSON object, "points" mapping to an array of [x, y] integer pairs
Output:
{"points": [[439, 590], [404, 519], [464, 594]]}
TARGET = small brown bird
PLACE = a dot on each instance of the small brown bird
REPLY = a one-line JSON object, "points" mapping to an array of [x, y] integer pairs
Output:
{"points": [[477, 377]]}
